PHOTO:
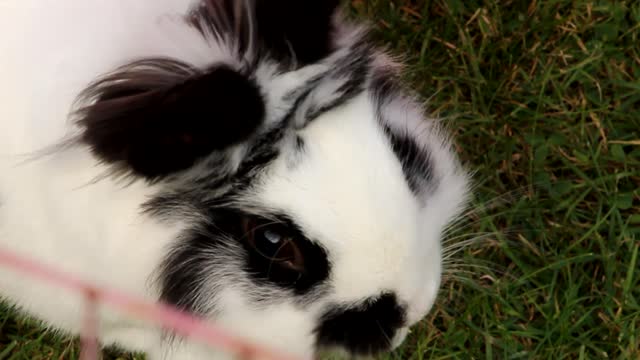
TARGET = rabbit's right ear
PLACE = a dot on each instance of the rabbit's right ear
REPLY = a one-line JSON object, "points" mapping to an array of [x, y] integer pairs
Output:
{"points": [[157, 117], [293, 32], [299, 28]]}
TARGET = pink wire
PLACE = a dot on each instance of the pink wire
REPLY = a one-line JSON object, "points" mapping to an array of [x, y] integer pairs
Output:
{"points": [[89, 337], [164, 315]]}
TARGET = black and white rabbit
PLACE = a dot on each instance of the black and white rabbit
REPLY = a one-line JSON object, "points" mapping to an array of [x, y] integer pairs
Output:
{"points": [[256, 163]]}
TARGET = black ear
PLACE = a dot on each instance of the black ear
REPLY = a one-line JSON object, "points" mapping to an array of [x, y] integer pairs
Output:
{"points": [[301, 27], [290, 31], [157, 117]]}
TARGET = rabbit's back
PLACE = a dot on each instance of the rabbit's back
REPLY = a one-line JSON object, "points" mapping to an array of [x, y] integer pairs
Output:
{"points": [[51, 51], [51, 208]]}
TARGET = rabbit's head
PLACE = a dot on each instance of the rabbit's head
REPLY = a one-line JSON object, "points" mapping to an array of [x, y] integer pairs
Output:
{"points": [[314, 189]]}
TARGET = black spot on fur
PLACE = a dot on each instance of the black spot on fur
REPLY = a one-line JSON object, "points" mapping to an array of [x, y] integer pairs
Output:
{"points": [[299, 144], [363, 330], [385, 85], [350, 72], [416, 163], [358, 60], [183, 277], [160, 116], [347, 91], [261, 153], [292, 32]]}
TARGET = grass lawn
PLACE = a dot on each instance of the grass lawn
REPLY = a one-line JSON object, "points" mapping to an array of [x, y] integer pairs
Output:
{"points": [[544, 97]]}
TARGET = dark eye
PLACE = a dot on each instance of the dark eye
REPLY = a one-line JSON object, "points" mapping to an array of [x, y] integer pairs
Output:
{"points": [[274, 243]]}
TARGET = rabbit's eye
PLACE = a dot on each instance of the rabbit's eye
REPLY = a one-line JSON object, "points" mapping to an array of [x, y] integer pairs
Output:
{"points": [[274, 243], [277, 252]]}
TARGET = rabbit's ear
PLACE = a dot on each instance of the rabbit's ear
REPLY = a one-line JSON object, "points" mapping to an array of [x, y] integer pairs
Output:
{"points": [[157, 117], [293, 32], [302, 29]]}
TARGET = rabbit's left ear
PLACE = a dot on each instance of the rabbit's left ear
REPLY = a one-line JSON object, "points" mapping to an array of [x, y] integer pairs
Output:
{"points": [[157, 117]]}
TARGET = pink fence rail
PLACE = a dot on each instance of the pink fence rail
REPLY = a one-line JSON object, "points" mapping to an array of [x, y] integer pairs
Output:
{"points": [[162, 315]]}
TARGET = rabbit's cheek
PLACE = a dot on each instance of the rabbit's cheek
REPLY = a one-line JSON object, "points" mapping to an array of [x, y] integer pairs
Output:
{"points": [[399, 338]]}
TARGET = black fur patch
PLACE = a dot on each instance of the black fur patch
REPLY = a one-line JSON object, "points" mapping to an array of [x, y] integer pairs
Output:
{"points": [[299, 144], [219, 251], [160, 116], [353, 70], [316, 262], [416, 163], [292, 32], [262, 152], [363, 330], [182, 278]]}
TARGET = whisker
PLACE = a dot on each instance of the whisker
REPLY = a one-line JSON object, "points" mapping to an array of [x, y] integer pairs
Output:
{"points": [[457, 278], [473, 269], [504, 233], [469, 262], [389, 342], [480, 208], [468, 222], [452, 249], [456, 266]]}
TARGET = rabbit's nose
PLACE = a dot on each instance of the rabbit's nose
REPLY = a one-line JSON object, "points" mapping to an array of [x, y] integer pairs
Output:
{"points": [[364, 329]]}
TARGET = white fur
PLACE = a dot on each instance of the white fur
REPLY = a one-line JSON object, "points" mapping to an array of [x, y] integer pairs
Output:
{"points": [[347, 190]]}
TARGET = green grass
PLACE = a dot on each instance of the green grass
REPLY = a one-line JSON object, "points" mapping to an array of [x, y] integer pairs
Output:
{"points": [[544, 98]]}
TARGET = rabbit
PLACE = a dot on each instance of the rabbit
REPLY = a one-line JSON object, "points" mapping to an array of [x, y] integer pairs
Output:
{"points": [[259, 164]]}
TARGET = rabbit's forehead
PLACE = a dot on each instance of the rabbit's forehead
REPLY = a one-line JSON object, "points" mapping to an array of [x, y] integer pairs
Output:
{"points": [[346, 188], [343, 165]]}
